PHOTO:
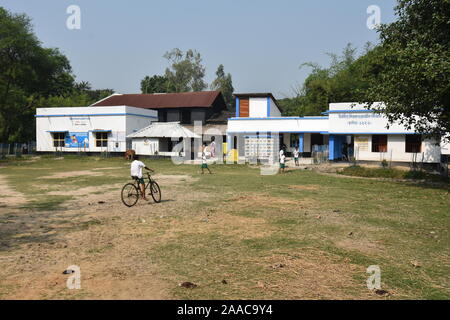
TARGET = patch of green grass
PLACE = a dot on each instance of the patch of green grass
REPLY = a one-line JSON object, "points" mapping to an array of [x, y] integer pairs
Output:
{"points": [[210, 259], [274, 243], [245, 213], [46, 204], [87, 224], [391, 173], [101, 249], [287, 222]]}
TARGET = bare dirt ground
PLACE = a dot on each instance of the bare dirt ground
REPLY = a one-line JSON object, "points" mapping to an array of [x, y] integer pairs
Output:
{"points": [[13, 197], [94, 231], [117, 247], [110, 243]]}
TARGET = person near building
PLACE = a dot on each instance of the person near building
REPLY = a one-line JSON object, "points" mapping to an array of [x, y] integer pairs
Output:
{"points": [[296, 156], [282, 161], [204, 163]]}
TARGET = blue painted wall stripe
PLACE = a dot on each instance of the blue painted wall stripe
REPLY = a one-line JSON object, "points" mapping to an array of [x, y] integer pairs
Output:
{"points": [[331, 144], [369, 133], [347, 111], [237, 107], [268, 106], [281, 131], [93, 115], [301, 142], [280, 118]]}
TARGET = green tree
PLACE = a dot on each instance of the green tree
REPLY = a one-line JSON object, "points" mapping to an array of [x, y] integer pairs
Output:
{"points": [[186, 71], [81, 95], [155, 84], [83, 86], [32, 76], [342, 81], [27, 71], [410, 71], [96, 95], [224, 83]]}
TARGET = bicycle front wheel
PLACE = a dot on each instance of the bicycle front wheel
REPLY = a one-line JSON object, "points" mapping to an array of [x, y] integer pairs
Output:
{"points": [[130, 195], [156, 192]]}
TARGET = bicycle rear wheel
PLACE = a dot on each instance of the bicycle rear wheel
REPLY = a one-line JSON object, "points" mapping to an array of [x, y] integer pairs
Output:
{"points": [[156, 192], [130, 195]]}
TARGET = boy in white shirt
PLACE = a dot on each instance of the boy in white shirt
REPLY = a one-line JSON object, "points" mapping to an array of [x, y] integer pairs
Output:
{"points": [[282, 161], [296, 155], [204, 163], [136, 174], [212, 147]]}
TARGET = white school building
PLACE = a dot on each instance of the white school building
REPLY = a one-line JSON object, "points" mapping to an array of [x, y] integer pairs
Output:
{"points": [[257, 130], [89, 129], [345, 131]]}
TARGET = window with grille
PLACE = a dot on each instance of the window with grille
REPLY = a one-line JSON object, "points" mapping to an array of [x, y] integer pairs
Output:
{"points": [[413, 143], [59, 139], [101, 139], [379, 143]]}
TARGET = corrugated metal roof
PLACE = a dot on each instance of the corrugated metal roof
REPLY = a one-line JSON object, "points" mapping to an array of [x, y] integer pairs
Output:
{"points": [[164, 130], [203, 99], [220, 127]]}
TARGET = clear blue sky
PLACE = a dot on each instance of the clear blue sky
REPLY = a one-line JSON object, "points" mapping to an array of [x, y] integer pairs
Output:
{"points": [[261, 43]]}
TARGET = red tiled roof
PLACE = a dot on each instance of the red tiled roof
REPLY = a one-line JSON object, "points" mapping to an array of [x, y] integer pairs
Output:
{"points": [[203, 99]]}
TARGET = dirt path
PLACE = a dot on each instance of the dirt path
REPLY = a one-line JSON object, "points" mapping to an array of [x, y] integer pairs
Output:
{"points": [[113, 245], [109, 242], [8, 196]]}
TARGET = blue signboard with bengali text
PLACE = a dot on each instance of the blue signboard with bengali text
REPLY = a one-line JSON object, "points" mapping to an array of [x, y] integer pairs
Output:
{"points": [[77, 140]]}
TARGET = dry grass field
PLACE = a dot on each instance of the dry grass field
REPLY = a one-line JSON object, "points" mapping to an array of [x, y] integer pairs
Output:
{"points": [[235, 234]]}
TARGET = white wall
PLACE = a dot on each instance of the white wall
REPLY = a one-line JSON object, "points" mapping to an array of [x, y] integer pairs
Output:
{"points": [[396, 150], [120, 120], [145, 146], [358, 120], [274, 111], [307, 142], [153, 146], [258, 108], [445, 147], [288, 124]]}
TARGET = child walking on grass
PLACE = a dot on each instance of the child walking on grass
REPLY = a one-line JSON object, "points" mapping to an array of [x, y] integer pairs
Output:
{"points": [[204, 163], [296, 155], [282, 161]]}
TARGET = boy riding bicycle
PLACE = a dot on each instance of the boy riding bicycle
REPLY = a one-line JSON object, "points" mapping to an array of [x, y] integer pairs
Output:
{"points": [[136, 174]]}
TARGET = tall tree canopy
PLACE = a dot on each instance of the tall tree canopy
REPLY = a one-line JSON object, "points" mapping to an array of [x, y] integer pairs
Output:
{"points": [[224, 83], [186, 71], [343, 80], [155, 84], [33, 76], [410, 70], [27, 70]]}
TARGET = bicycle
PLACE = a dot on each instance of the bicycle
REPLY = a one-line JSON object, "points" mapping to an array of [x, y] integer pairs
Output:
{"points": [[132, 191]]}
